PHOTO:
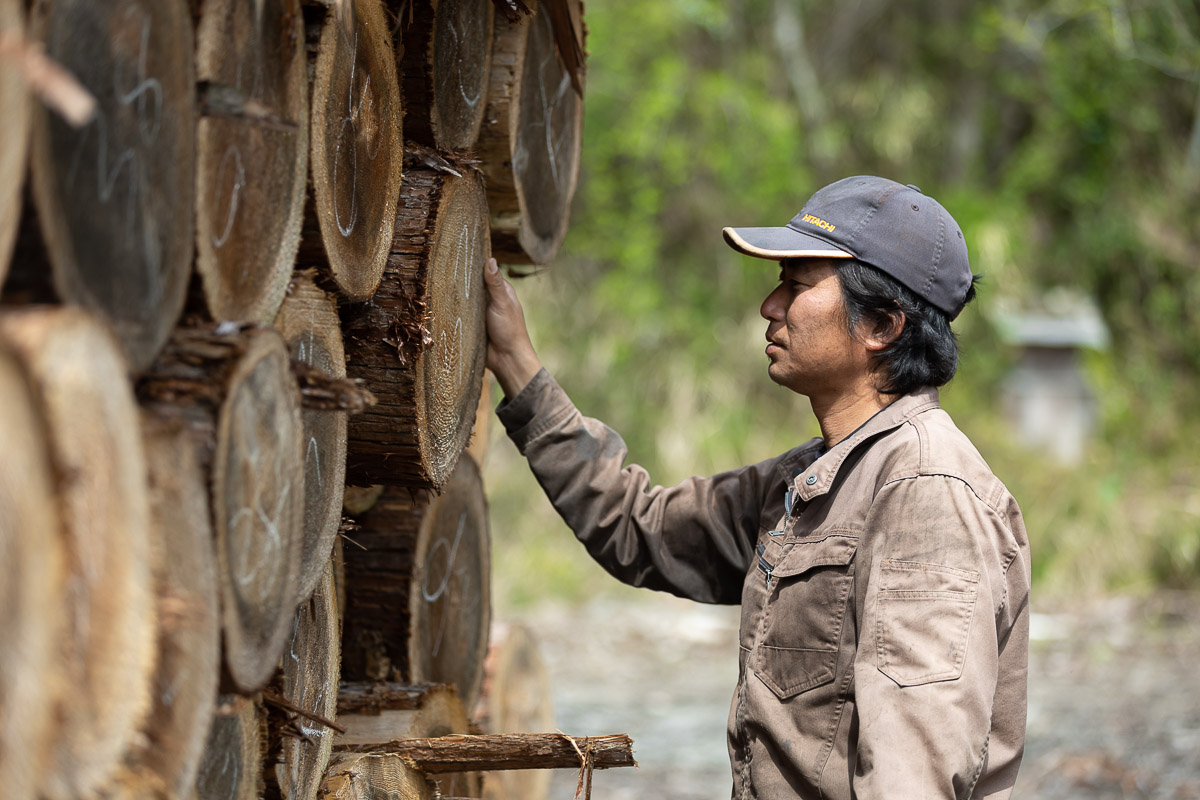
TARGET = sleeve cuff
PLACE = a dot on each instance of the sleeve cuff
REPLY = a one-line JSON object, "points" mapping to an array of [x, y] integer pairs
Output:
{"points": [[535, 409]]}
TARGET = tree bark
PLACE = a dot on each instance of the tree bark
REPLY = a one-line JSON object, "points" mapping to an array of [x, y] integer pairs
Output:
{"points": [[447, 54], [308, 321], [115, 198], [353, 776], [300, 745], [420, 343], [232, 765], [31, 573], [16, 108], [390, 711], [167, 759], [357, 147], [531, 138], [417, 596], [515, 699], [237, 394], [252, 167], [512, 751], [108, 660]]}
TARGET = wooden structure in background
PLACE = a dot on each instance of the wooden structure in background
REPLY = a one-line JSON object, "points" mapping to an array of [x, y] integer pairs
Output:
{"points": [[236, 392], [417, 588], [252, 153], [357, 147], [532, 134], [308, 321], [15, 109], [446, 66], [31, 573], [78, 372], [115, 199], [420, 342]]}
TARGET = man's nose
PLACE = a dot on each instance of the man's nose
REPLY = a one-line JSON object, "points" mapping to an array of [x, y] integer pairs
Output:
{"points": [[773, 308]]}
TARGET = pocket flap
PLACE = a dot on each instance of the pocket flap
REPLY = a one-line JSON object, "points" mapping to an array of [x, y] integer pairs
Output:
{"points": [[833, 551]]}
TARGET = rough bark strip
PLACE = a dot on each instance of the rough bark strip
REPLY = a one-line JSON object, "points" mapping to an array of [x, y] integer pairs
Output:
{"points": [[490, 752], [236, 392], [31, 584], [115, 198], [300, 746], [15, 109], [81, 380], [251, 170], [447, 53], [353, 776], [531, 139], [232, 765], [357, 146], [420, 343], [309, 323]]}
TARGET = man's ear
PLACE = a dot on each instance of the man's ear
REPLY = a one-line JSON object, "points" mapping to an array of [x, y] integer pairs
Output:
{"points": [[887, 329]]}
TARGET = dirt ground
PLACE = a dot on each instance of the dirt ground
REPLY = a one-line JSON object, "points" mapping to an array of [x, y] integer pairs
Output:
{"points": [[1114, 693]]}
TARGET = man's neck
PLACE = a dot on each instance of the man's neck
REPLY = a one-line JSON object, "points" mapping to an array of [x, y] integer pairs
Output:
{"points": [[841, 415]]}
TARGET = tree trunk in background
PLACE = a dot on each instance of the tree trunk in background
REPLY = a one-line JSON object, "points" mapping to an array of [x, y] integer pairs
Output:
{"points": [[232, 765], [115, 198], [239, 397], [420, 342], [92, 422], [299, 747], [531, 138], [515, 699], [417, 596], [308, 321], [352, 776], [357, 148], [15, 109], [31, 584], [376, 713], [189, 630], [447, 53], [252, 162]]}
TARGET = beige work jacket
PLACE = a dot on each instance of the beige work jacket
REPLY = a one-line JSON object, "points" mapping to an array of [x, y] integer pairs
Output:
{"points": [[885, 615]]}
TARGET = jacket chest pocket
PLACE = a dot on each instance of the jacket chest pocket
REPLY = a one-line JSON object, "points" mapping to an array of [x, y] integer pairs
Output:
{"points": [[803, 615]]}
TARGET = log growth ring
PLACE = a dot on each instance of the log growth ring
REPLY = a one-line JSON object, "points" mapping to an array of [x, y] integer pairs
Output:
{"points": [[16, 109], [31, 581], [357, 148], [449, 371], [309, 324], [258, 496], [115, 198], [369, 776], [82, 383], [450, 600], [251, 172]]}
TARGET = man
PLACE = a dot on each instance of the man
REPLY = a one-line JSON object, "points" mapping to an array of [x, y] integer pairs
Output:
{"points": [[882, 569]]}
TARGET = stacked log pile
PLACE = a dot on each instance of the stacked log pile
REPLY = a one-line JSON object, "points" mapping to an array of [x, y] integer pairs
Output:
{"points": [[242, 394]]}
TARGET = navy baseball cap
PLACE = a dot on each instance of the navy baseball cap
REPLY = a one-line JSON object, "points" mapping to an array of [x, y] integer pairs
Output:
{"points": [[890, 226]]}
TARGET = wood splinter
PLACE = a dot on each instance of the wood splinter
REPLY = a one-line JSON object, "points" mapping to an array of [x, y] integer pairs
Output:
{"points": [[504, 751]]}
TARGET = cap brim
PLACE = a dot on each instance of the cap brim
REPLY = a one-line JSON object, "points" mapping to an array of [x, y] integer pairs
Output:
{"points": [[780, 243]]}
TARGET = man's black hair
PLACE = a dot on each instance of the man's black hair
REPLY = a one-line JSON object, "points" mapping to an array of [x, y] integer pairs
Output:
{"points": [[925, 353]]}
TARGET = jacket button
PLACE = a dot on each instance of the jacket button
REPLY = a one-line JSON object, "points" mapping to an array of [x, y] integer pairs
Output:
{"points": [[810, 480]]}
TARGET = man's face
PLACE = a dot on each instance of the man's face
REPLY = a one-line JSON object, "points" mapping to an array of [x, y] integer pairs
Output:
{"points": [[810, 349]]}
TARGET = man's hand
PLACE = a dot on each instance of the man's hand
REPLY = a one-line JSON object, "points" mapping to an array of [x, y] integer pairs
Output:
{"points": [[510, 354]]}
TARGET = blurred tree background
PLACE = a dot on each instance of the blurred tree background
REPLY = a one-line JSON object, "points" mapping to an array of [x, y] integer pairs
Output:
{"points": [[1063, 136]]}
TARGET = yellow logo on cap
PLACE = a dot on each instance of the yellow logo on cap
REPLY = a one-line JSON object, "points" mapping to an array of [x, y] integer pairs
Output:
{"points": [[820, 223]]}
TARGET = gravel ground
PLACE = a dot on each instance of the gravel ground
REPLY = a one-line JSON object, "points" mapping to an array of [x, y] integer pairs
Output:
{"points": [[1114, 696]]}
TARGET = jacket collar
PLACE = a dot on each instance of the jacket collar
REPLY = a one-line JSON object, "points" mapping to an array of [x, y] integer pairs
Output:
{"points": [[818, 475]]}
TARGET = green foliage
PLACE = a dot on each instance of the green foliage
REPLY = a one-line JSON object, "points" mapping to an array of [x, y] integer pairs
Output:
{"points": [[1065, 138]]}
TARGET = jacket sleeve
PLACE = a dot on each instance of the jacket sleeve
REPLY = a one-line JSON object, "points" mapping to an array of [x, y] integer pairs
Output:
{"points": [[929, 647], [693, 540]]}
